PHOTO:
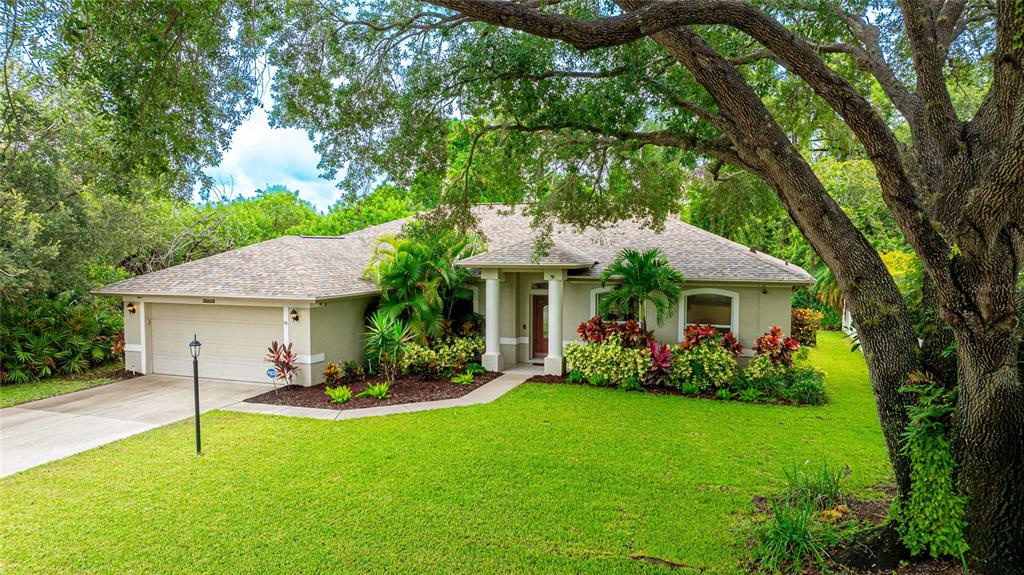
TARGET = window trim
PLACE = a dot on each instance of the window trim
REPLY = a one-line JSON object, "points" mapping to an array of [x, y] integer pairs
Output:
{"points": [[734, 296], [594, 293]]}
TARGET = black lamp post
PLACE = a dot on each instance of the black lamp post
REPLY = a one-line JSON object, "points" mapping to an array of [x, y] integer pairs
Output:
{"points": [[194, 348]]}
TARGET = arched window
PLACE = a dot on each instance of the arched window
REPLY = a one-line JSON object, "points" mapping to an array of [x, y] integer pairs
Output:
{"points": [[717, 307]]}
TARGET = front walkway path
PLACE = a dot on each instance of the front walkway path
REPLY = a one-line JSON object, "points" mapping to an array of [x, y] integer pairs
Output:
{"points": [[486, 393], [48, 429]]}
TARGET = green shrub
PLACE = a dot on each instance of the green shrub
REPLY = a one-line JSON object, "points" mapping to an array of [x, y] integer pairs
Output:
{"points": [[749, 395], [804, 385], [376, 390], [792, 535], [820, 485], [609, 359], [723, 393], [463, 379], [689, 389], [475, 369], [709, 364], [575, 377], [57, 336], [932, 518], [631, 384], [420, 360], [597, 380], [799, 383], [340, 394], [454, 355], [804, 325]]}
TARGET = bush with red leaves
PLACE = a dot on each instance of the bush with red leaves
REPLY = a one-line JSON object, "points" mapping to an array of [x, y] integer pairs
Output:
{"points": [[732, 344], [631, 334], [777, 347]]}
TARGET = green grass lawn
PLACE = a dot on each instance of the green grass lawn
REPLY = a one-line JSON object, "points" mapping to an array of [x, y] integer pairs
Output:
{"points": [[15, 393], [548, 479]]}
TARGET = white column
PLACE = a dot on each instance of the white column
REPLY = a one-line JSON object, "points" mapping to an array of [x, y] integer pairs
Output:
{"points": [[491, 359], [553, 363]]}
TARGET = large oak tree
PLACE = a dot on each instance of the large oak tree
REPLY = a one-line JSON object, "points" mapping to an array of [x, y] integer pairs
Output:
{"points": [[572, 90]]}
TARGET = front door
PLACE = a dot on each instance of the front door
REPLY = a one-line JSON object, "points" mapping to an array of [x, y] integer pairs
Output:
{"points": [[540, 325]]}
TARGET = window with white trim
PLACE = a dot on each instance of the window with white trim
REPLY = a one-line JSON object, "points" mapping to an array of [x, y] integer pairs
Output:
{"points": [[709, 306], [614, 314]]}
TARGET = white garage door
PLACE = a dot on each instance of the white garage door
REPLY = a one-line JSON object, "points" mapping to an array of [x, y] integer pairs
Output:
{"points": [[234, 338]]}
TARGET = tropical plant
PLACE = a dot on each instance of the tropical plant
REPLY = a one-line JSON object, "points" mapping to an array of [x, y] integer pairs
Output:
{"points": [[377, 390], [386, 340], [56, 336], [610, 360], [283, 360], [642, 277], [463, 379], [354, 369], [339, 394], [475, 369], [804, 325], [776, 346], [708, 365], [419, 280], [332, 374], [629, 332], [791, 536], [661, 361]]}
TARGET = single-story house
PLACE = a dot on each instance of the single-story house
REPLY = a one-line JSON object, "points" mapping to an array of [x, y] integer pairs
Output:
{"points": [[309, 291]]}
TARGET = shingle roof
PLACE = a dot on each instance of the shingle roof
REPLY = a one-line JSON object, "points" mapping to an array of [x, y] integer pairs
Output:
{"points": [[523, 254], [312, 268]]}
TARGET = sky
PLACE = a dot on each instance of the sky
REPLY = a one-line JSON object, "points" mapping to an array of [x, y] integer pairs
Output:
{"points": [[262, 156]]}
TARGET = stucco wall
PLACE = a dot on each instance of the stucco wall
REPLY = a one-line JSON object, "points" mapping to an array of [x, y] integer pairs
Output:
{"points": [[335, 334], [760, 307]]}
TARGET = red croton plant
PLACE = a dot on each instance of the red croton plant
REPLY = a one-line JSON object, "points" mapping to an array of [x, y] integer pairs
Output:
{"points": [[283, 359], [776, 346], [694, 335], [631, 334]]}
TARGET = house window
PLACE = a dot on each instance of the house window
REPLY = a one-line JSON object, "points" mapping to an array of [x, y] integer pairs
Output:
{"points": [[719, 308], [614, 314]]}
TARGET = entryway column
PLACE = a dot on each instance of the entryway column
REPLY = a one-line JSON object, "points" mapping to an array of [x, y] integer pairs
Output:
{"points": [[491, 359], [554, 362]]}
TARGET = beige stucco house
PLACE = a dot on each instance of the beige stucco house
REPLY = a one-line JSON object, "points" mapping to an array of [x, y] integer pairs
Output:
{"points": [[309, 291]]}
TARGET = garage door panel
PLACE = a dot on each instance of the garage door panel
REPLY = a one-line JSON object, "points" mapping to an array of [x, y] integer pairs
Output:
{"points": [[234, 339]]}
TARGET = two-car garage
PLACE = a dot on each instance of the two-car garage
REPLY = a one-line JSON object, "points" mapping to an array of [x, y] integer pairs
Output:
{"points": [[234, 338]]}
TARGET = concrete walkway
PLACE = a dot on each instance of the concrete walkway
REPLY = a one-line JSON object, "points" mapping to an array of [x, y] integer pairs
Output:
{"points": [[49, 429], [486, 393]]}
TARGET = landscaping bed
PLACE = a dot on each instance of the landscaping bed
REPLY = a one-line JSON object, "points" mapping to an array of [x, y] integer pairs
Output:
{"points": [[407, 389], [663, 390]]}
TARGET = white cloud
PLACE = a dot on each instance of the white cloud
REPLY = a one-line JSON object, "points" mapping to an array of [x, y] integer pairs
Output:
{"points": [[262, 156]]}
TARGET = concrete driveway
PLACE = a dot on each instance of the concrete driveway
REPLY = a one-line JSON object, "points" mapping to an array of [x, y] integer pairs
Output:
{"points": [[49, 429]]}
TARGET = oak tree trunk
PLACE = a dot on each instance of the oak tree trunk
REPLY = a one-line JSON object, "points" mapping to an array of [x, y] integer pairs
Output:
{"points": [[989, 446]]}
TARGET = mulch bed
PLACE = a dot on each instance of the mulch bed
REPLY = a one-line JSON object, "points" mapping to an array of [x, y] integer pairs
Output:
{"points": [[112, 374], [409, 389]]}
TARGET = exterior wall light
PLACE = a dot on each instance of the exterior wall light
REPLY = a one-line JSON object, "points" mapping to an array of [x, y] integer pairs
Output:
{"points": [[294, 315], [130, 308]]}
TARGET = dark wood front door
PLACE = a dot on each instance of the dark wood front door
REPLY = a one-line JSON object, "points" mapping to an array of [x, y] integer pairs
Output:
{"points": [[540, 325]]}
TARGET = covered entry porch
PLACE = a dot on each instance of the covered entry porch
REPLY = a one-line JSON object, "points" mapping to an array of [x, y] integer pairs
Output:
{"points": [[527, 302]]}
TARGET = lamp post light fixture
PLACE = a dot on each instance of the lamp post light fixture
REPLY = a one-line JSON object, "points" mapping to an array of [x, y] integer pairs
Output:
{"points": [[193, 347]]}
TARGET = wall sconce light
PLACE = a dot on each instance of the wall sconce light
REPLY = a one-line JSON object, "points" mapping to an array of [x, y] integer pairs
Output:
{"points": [[294, 315], [130, 308]]}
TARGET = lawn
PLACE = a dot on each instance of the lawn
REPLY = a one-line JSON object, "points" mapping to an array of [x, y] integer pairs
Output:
{"points": [[15, 393], [548, 479]]}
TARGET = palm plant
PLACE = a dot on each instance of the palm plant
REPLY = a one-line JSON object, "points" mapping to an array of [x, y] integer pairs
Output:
{"points": [[419, 280], [386, 339], [642, 276]]}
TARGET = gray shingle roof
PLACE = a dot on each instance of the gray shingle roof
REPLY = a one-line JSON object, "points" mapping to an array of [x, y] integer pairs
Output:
{"points": [[524, 254], [311, 268]]}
